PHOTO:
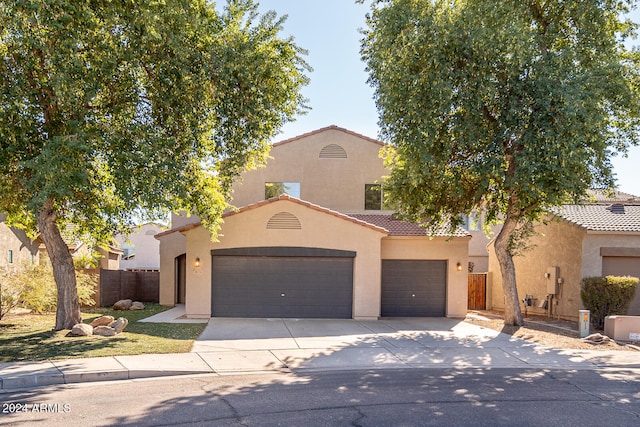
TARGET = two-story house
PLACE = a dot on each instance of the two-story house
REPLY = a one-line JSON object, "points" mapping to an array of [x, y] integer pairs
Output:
{"points": [[310, 239]]}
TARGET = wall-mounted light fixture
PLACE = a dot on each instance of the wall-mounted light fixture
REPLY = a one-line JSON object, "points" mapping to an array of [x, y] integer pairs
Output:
{"points": [[197, 262], [459, 267]]}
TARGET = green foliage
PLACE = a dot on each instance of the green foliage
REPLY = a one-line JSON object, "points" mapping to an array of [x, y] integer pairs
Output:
{"points": [[10, 293], [87, 260], [507, 106], [606, 296], [112, 108], [120, 109], [116, 112], [34, 288]]}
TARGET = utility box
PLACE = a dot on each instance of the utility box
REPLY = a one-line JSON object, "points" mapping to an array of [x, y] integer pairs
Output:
{"points": [[552, 276], [622, 328], [584, 318]]}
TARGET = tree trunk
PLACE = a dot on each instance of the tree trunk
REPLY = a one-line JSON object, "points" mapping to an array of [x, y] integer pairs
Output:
{"points": [[512, 312], [68, 308]]}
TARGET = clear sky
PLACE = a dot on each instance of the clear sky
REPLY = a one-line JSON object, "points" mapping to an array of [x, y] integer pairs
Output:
{"points": [[339, 94]]}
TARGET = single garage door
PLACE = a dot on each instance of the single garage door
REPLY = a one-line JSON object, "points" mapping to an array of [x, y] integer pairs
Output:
{"points": [[414, 288], [282, 282], [624, 266]]}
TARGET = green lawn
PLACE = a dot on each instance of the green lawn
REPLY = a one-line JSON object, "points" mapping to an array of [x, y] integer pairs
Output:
{"points": [[31, 337]]}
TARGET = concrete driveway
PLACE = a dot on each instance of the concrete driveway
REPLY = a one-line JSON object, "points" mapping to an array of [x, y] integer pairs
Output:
{"points": [[319, 344]]}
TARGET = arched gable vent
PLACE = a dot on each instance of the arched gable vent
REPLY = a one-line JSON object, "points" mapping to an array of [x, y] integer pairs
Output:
{"points": [[333, 151], [284, 221]]}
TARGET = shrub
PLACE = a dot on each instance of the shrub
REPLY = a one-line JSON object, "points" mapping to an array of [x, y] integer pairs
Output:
{"points": [[10, 293], [35, 288], [606, 296]]}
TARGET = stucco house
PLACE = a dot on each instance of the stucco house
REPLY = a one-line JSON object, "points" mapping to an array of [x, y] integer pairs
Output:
{"points": [[16, 248], [309, 238], [141, 250], [595, 239]]}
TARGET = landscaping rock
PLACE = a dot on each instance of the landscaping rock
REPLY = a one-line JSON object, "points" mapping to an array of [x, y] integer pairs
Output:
{"points": [[123, 304], [137, 305], [104, 331], [597, 339], [119, 325], [82, 330], [102, 321]]}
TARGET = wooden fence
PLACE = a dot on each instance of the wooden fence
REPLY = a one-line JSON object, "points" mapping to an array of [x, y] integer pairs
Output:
{"points": [[115, 285], [477, 294]]}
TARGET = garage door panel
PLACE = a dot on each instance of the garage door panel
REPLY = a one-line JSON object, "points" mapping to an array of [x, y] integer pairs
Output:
{"points": [[413, 288], [270, 286]]}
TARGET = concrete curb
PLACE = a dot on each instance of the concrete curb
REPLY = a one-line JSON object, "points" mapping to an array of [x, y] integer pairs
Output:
{"points": [[22, 375]]}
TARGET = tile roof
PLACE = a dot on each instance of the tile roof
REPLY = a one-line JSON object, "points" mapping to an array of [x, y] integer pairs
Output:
{"points": [[398, 227], [324, 129], [606, 197], [309, 205], [286, 197], [616, 217]]}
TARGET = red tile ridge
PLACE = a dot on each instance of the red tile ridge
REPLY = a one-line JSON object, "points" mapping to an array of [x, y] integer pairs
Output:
{"points": [[184, 228], [281, 197], [324, 129], [309, 205]]}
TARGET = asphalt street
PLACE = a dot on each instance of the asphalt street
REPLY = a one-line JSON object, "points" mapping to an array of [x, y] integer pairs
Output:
{"points": [[396, 397]]}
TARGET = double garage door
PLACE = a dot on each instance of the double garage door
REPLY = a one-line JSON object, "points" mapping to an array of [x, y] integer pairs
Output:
{"points": [[282, 282], [318, 283]]}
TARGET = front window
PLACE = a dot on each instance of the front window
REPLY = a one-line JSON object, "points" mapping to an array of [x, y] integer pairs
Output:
{"points": [[10, 256], [274, 189]]}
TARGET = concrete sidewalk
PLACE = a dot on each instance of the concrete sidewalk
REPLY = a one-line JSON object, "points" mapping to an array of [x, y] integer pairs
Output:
{"points": [[233, 346]]}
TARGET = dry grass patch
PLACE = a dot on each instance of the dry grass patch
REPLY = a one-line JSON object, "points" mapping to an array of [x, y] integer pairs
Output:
{"points": [[560, 334]]}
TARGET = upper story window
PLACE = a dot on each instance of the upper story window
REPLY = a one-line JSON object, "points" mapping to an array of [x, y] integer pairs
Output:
{"points": [[10, 256], [472, 222], [374, 197], [274, 189]]}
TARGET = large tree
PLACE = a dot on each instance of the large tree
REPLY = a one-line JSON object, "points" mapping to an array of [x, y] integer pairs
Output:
{"points": [[508, 106], [112, 111]]}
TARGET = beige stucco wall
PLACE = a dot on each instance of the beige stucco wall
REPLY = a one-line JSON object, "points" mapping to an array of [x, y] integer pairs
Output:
{"points": [[25, 252], [319, 229], [336, 184], [453, 251], [147, 247], [593, 241], [557, 244], [171, 246]]}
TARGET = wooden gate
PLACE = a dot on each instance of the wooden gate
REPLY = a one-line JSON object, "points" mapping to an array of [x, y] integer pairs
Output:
{"points": [[477, 294]]}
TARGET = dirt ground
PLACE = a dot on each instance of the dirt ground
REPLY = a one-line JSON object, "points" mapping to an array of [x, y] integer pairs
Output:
{"points": [[560, 334]]}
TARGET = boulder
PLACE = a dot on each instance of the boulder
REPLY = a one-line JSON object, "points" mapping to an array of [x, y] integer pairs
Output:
{"points": [[597, 339], [82, 330], [137, 305], [104, 331], [123, 304], [119, 325], [102, 321]]}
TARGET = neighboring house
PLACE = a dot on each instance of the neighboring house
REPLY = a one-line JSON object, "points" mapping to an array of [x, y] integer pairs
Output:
{"points": [[108, 257], [16, 249], [141, 250], [310, 238], [596, 239], [474, 223]]}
